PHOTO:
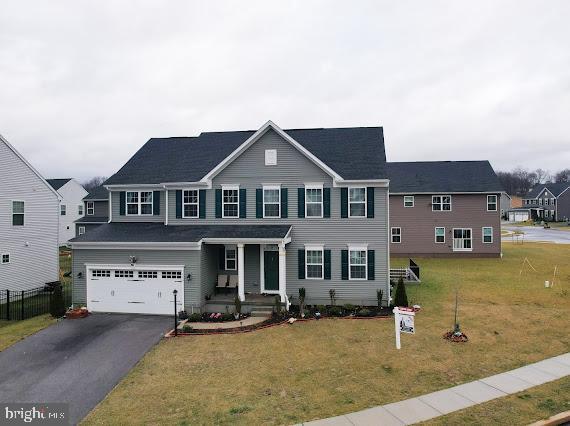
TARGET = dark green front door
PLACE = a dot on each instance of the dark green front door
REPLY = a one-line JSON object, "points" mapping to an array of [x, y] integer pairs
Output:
{"points": [[271, 265]]}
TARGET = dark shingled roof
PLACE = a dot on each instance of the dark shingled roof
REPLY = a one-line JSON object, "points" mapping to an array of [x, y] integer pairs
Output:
{"points": [[57, 183], [443, 176], [92, 219], [99, 193], [353, 153], [159, 233], [555, 188]]}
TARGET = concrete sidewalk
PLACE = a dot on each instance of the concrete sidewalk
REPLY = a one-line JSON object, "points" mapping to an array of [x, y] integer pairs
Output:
{"points": [[446, 401]]}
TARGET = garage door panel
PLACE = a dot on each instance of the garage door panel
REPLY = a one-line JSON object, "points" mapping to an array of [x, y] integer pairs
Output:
{"points": [[130, 290]]}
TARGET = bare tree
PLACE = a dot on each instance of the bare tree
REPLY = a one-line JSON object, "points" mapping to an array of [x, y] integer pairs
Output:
{"points": [[93, 183], [563, 176], [543, 176]]}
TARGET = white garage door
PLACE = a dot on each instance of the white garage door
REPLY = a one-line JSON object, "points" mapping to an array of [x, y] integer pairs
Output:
{"points": [[139, 289]]}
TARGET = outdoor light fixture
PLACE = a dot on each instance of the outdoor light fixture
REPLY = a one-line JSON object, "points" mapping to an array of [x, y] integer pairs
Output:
{"points": [[132, 260], [79, 274], [189, 277]]}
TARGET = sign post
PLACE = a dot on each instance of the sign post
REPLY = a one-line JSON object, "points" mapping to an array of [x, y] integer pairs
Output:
{"points": [[403, 323]]}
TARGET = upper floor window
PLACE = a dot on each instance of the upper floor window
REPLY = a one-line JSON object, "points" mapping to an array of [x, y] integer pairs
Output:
{"points": [[190, 198], [230, 201], [491, 203], [63, 209], [356, 202], [441, 203], [271, 201], [357, 263], [396, 235], [231, 259], [17, 213], [408, 201], [5, 258], [540, 201], [553, 201], [139, 203], [314, 263], [80, 209], [313, 201], [90, 208]]}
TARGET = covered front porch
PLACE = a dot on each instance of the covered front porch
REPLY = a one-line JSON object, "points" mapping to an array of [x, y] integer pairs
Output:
{"points": [[253, 269]]}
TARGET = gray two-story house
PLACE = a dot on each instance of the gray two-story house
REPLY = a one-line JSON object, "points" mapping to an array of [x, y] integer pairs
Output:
{"points": [[96, 208], [247, 213], [444, 209], [548, 201]]}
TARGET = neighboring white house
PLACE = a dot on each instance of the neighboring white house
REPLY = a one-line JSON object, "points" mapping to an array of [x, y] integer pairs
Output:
{"points": [[29, 218], [71, 206]]}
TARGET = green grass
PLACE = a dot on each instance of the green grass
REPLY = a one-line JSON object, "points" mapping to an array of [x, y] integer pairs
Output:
{"points": [[14, 331], [317, 369]]}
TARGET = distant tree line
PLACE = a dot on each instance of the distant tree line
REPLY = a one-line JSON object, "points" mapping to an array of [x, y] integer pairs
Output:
{"points": [[93, 183], [520, 181]]}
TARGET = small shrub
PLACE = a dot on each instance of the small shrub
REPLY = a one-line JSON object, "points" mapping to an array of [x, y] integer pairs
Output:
{"points": [[332, 295], [349, 308], [182, 315], [335, 311], [321, 308], [237, 302], [401, 298], [195, 317], [186, 328], [228, 317], [379, 296], [277, 305], [364, 313]]}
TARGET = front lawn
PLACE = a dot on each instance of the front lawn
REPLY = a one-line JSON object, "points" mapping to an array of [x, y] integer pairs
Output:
{"points": [[317, 369], [14, 331]]}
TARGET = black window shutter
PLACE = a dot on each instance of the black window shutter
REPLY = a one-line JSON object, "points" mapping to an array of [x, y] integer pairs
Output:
{"points": [[344, 264], [301, 202], [222, 258], [326, 202], [371, 265], [301, 264], [178, 204], [370, 202], [284, 203], [343, 202], [156, 203], [327, 264], [122, 202], [242, 203], [218, 203], [202, 200], [259, 203]]}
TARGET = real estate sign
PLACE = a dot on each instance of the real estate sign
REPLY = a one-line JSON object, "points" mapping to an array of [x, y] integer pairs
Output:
{"points": [[403, 322]]}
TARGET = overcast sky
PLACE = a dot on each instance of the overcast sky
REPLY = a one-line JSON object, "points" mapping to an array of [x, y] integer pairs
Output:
{"points": [[83, 84]]}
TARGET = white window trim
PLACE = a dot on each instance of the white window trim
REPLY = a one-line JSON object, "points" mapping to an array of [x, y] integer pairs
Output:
{"points": [[392, 235], [441, 203], [363, 248], [139, 204], [91, 207], [322, 203], [197, 204], [496, 203], [271, 187], [230, 188], [413, 201], [226, 248], [13, 213], [358, 202], [79, 229], [63, 210], [453, 238], [2, 258], [320, 248], [435, 235], [80, 209], [483, 234]]}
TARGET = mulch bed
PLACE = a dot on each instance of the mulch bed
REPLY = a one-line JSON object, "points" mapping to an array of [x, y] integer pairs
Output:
{"points": [[76, 313], [456, 338]]}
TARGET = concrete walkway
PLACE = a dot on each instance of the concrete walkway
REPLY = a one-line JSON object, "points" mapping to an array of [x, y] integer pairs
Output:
{"points": [[446, 401], [223, 325]]}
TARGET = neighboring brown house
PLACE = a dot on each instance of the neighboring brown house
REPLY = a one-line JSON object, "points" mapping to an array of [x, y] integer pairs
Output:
{"points": [[444, 209]]}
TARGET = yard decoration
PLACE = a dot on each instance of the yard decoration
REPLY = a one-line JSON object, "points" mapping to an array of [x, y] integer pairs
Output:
{"points": [[302, 301], [456, 335], [77, 313], [401, 298]]}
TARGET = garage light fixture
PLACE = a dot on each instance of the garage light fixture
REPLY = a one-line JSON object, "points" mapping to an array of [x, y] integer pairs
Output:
{"points": [[133, 260], [189, 277], [79, 274]]}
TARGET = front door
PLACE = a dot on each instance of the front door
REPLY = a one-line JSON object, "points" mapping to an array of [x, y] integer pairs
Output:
{"points": [[271, 273]]}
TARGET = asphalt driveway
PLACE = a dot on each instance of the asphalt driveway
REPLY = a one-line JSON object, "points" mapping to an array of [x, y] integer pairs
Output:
{"points": [[536, 233], [77, 361]]}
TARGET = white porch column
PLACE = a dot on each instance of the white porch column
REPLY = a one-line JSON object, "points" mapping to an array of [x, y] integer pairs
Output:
{"points": [[282, 271], [241, 275]]}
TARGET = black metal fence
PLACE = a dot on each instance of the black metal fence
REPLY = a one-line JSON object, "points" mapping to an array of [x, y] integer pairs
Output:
{"points": [[16, 305]]}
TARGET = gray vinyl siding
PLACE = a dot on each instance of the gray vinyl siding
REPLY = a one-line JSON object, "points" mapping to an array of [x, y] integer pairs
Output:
{"points": [[189, 258], [547, 195], [209, 270], [88, 227], [293, 170], [563, 206], [101, 209], [33, 248], [418, 225], [116, 217]]}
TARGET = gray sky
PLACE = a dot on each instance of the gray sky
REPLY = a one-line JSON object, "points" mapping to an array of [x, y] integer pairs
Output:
{"points": [[84, 84]]}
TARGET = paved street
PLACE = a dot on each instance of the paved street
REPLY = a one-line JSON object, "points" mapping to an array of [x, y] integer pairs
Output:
{"points": [[536, 233], [77, 361]]}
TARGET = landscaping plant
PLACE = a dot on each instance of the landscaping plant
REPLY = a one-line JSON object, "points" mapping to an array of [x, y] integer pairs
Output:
{"points": [[277, 305], [332, 295], [401, 298], [302, 301], [379, 296], [57, 305], [237, 302]]}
